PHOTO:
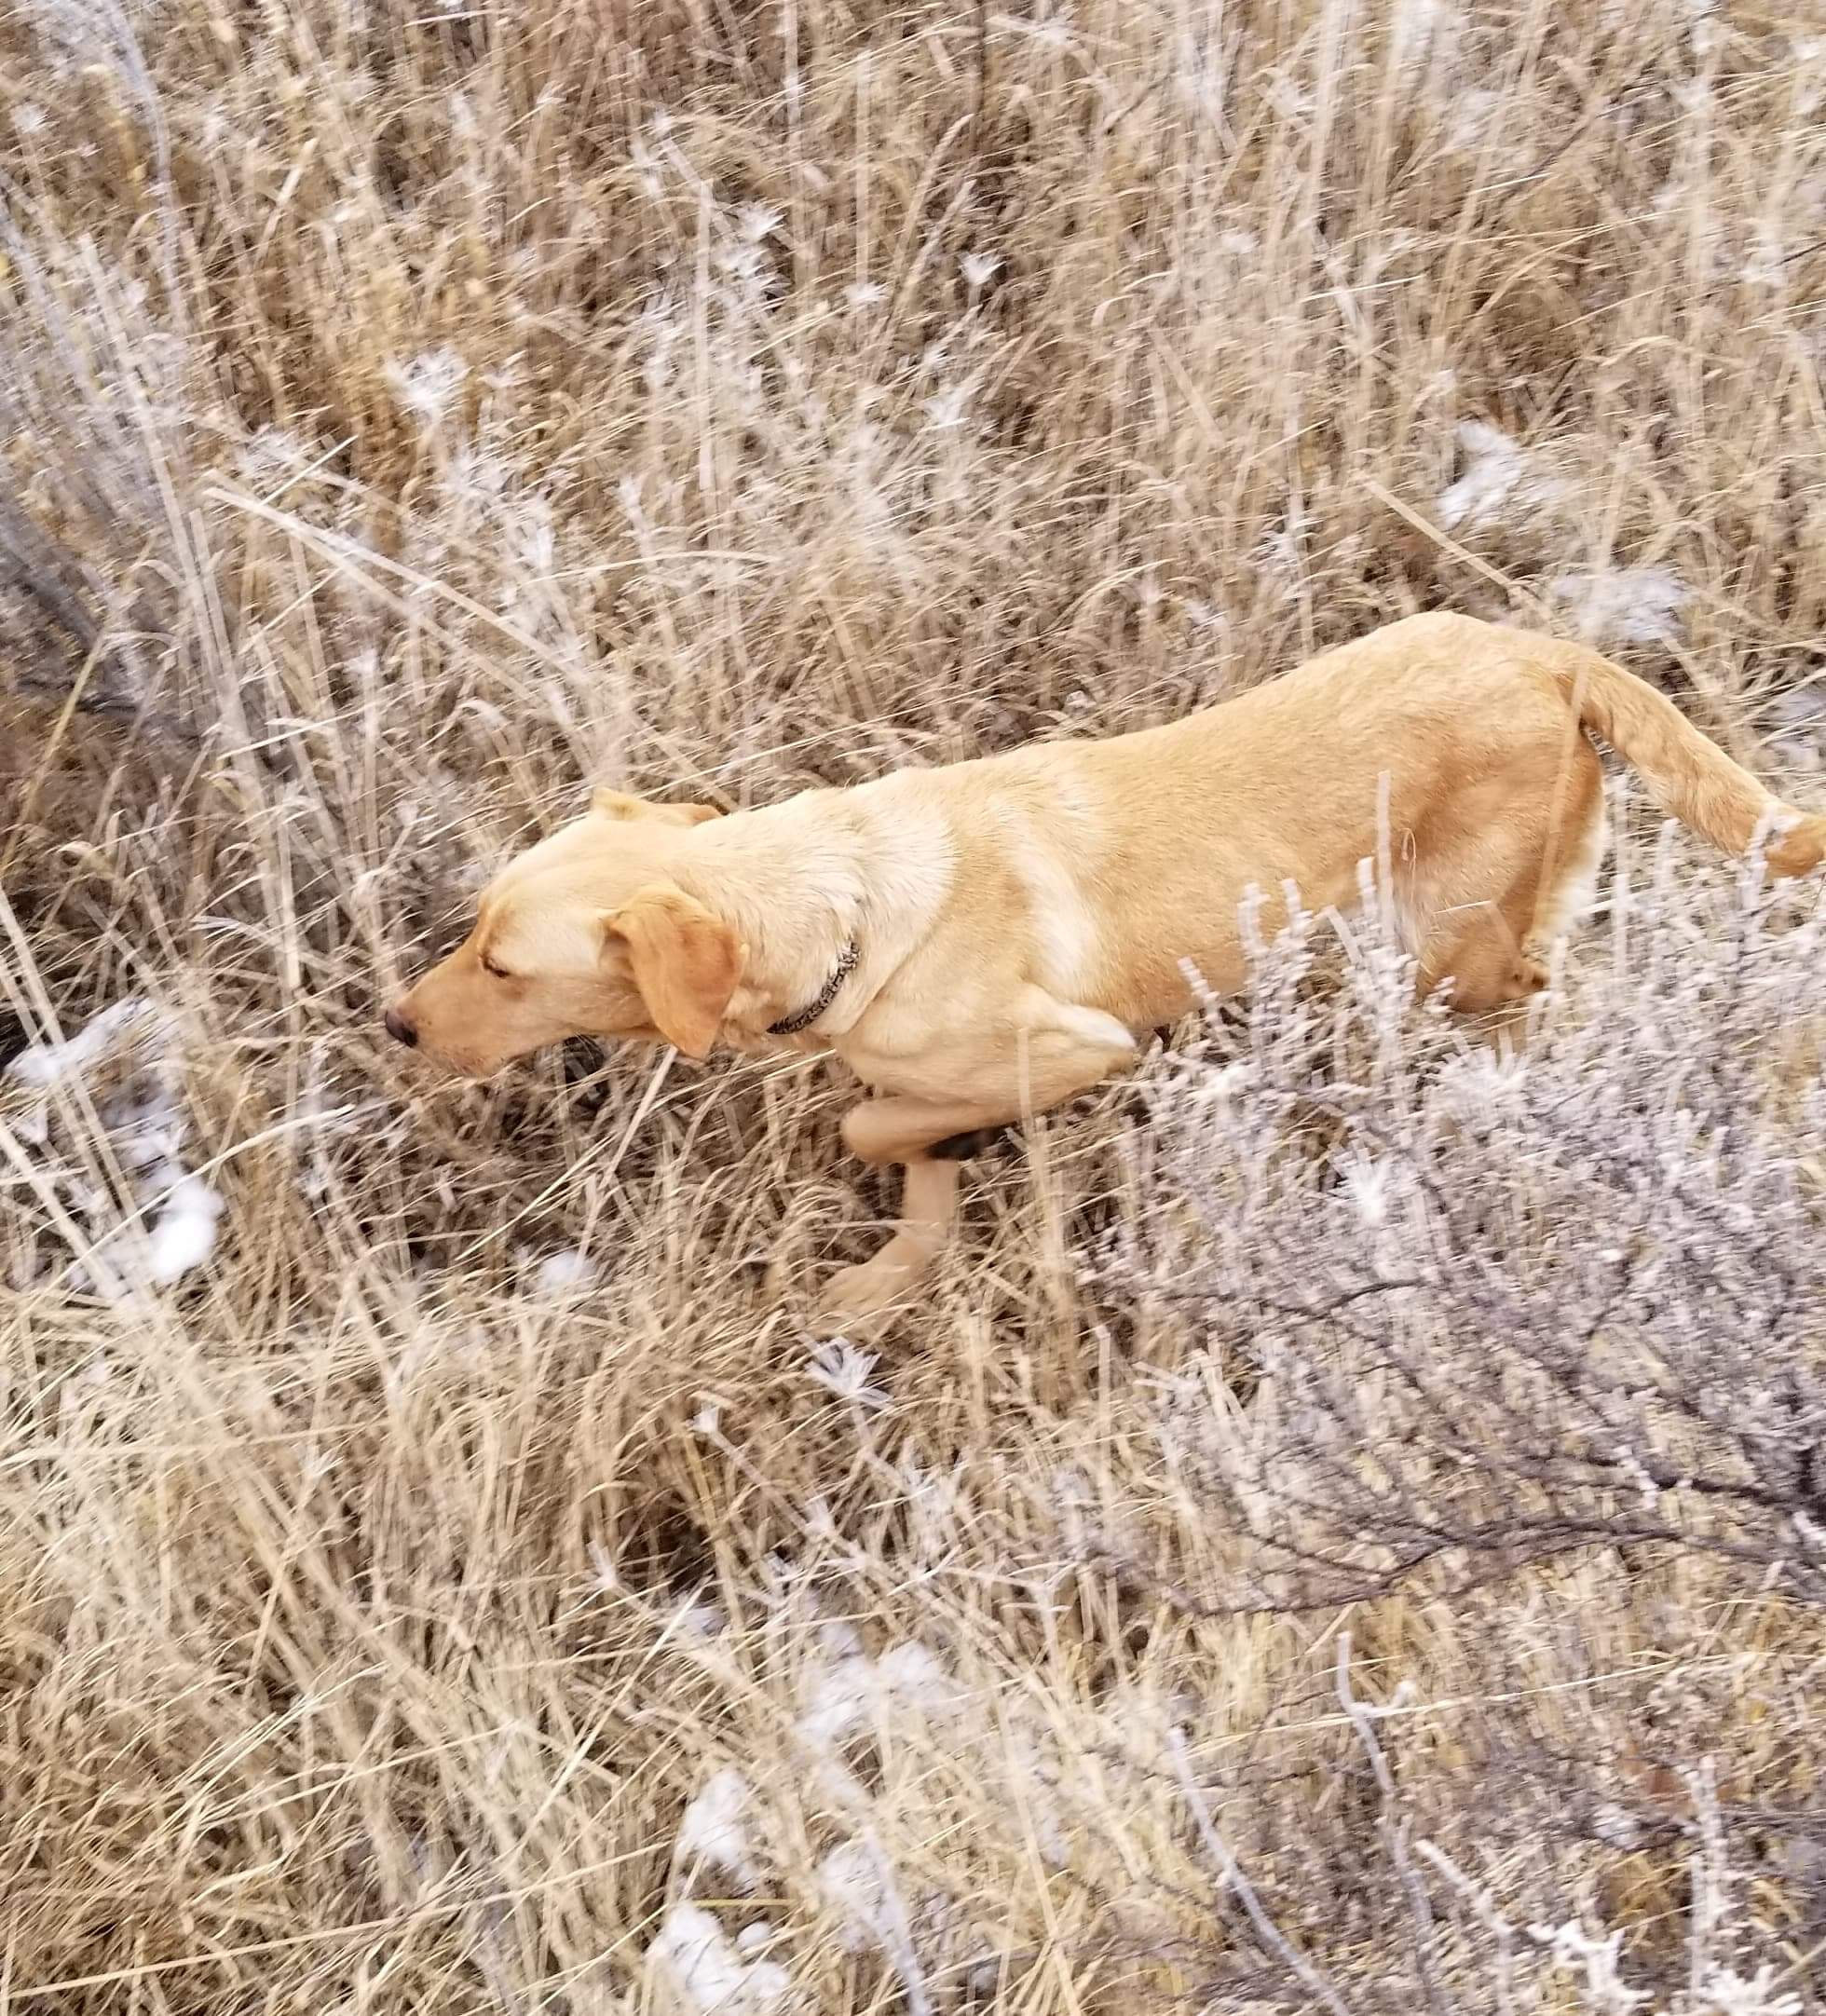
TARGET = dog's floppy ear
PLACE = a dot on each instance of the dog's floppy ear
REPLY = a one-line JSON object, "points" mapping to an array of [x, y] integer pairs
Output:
{"points": [[686, 965], [614, 804]]}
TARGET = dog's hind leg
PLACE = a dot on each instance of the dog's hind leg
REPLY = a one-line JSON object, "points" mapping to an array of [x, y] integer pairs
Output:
{"points": [[1519, 896]]}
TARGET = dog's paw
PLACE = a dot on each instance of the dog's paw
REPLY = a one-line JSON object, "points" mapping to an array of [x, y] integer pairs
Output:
{"points": [[868, 1293]]}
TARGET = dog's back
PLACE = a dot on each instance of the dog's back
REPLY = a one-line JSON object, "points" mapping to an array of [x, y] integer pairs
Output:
{"points": [[1457, 750]]}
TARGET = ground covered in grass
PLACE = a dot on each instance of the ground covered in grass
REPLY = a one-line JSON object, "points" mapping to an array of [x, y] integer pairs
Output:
{"points": [[1343, 1532]]}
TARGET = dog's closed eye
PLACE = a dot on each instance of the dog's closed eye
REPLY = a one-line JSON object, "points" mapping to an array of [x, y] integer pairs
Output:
{"points": [[492, 966]]}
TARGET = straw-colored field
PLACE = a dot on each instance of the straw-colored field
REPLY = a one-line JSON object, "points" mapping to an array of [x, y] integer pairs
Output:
{"points": [[434, 1576]]}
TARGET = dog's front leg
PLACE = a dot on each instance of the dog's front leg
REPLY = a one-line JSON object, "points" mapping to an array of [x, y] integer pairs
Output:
{"points": [[927, 1204], [929, 1137]]}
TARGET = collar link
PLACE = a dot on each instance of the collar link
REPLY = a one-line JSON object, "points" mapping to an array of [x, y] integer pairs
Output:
{"points": [[846, 964]]}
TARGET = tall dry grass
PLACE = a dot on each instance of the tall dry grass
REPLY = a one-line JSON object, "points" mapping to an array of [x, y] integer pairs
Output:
{"points": [[462, 1589]]}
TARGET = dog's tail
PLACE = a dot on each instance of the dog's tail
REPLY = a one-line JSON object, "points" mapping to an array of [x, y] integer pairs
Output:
{"points": [[1689, 775]]}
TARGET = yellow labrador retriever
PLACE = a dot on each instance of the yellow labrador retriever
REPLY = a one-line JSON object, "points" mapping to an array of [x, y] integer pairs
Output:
{"points": [[981, 942]]}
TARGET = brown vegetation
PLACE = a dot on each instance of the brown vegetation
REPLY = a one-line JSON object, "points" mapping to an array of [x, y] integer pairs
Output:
{"points": [[413, 415]]}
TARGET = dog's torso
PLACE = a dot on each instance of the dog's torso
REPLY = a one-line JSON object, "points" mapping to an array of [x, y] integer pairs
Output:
{"points": [[1098, 871]]}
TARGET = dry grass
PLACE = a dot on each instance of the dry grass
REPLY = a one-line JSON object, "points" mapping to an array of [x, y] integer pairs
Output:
{"points": [[416, 414]]}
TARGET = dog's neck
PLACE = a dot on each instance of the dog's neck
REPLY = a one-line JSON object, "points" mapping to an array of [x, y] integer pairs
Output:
{"points": [[792, 887], [817, 888], [814, 1010]]}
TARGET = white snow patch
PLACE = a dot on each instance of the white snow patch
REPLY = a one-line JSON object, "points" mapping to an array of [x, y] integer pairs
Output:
{"points": [[1034, 1791], [840, 1699], [850, 1881], [1808, 53], [68, 1062], [183, 1235], [915, 1674], [560, 1273], [861, 1891], [1417, 27], [1497, 470], [1623, 604], [125, 1061], [715, 1828], [706, 1972], [1473, 113], [839, 1638], [1765, 262]]}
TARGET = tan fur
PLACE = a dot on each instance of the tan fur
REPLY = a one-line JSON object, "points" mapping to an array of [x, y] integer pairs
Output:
{"points": [[1022, 919]]}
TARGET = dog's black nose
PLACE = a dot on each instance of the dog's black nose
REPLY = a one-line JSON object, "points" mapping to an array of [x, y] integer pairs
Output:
{"points": [[400, 1030]]}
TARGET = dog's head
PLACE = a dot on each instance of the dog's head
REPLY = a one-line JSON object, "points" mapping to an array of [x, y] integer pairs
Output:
{"points": [[585, 935]]}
